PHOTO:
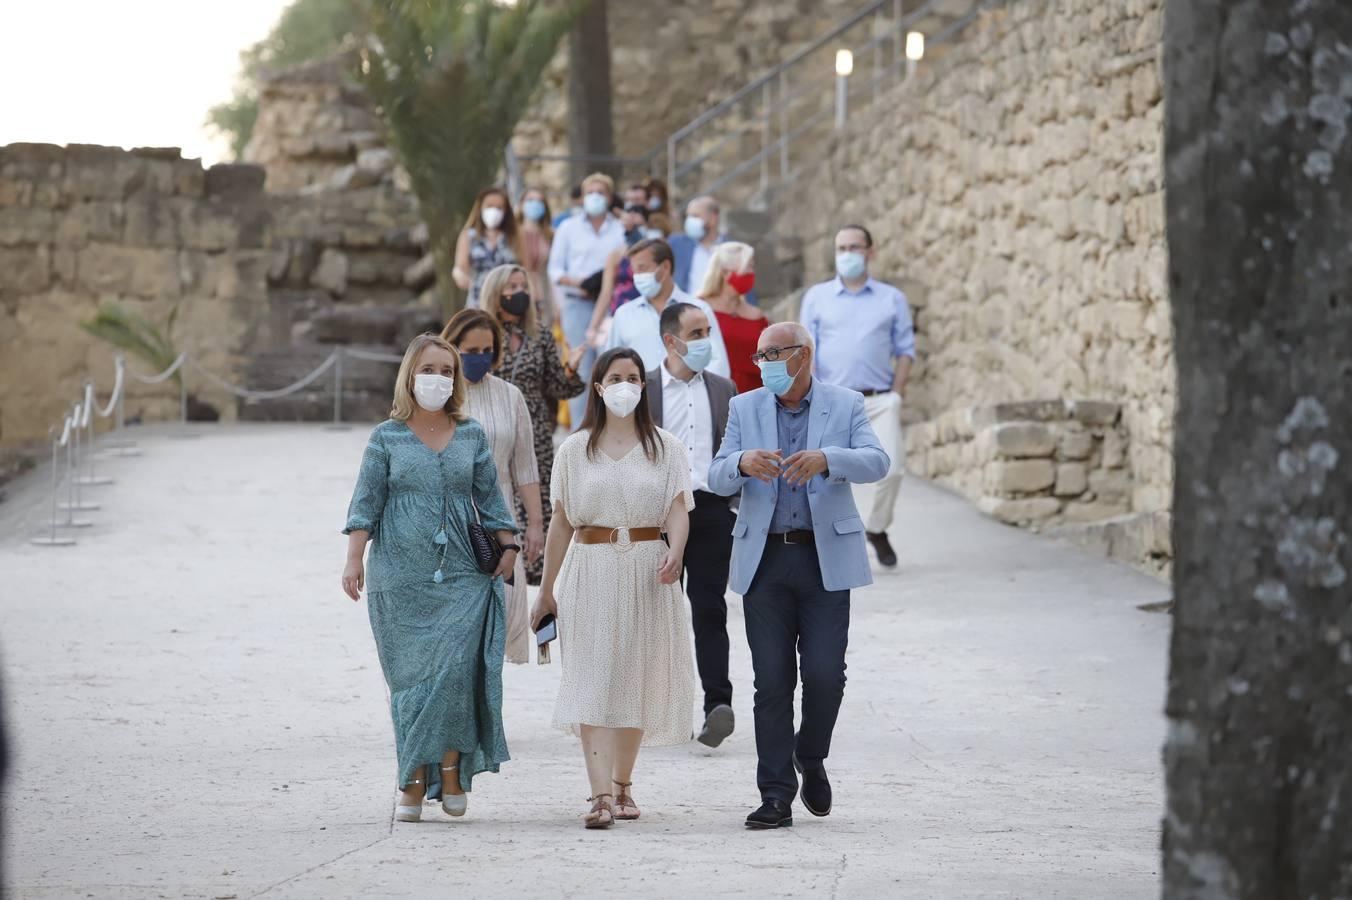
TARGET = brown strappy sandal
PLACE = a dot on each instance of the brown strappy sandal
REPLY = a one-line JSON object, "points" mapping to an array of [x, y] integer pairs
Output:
{"points": [[602, 814], [624, 803]]}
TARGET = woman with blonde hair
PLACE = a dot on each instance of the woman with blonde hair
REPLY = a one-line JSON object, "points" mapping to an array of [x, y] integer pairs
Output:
{"points": [[490, 239], [730, 277], [530, 360], [501, 411], [439, 622]]}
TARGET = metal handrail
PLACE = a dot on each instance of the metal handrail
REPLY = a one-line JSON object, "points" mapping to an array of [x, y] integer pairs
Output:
{"points": [[718, 109]]}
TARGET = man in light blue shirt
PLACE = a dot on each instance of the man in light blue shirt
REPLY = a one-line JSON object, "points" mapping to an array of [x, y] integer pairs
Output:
{"points": [[866, 342], [581, 247], [637, 324]]}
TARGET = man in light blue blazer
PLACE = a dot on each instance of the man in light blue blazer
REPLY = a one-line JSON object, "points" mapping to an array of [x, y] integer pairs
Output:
{"points": [[792, 449]]}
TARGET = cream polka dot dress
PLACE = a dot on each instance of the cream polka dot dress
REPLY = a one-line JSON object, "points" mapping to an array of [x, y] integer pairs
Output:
{"points": [[624, 638]]}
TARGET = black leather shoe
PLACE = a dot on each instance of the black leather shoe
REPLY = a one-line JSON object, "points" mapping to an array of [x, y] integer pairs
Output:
{"points": [[816, 790], [772, 814], [881, 546]]}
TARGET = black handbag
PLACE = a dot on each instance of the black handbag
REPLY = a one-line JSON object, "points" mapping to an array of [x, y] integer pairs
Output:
{"points": [[485, 547]]}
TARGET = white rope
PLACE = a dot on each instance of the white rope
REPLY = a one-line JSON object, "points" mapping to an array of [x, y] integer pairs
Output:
{"points": [[269, 395], [88, 406], [368, 354], [163, 376], [65, 433], [117, 390]]}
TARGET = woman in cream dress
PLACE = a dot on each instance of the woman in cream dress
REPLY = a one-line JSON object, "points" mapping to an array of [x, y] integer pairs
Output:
{"points": [[500, 409], [619, 483]]}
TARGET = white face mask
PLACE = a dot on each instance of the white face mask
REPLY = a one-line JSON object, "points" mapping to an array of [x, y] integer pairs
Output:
{"points": [[491, 215], [432, 391], [622, 398]]}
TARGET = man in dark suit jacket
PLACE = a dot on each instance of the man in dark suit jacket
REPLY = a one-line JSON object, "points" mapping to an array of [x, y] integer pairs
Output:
{"points": [[692, 404]]}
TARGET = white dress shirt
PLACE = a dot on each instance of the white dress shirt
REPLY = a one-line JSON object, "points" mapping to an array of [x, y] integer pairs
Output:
{"points": [[579, 250], [638, 325], [687, 415], [699, 266]]}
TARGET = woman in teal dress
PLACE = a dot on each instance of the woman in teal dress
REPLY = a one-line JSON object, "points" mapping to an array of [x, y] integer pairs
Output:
{"points": [[439, 623]]}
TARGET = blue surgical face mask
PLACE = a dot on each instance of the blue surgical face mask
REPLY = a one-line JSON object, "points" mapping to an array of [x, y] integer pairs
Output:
{"points": [[476, 365], [595, 203], [654, 203], [775, 376], [534, 210], [694, 228], [851, 264], [698, 354], [648, 284]]}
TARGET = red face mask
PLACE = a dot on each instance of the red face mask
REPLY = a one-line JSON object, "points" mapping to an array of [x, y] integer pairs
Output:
{"points": [[742, 282]]}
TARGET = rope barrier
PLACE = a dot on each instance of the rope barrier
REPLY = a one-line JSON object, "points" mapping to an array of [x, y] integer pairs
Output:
{"points": [[108, 410], [65, 433], [273, 394], [163, 376], [88, 406]]}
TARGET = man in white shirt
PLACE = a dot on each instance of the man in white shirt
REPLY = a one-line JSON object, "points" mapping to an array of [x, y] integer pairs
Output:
{"points": [[636, 323], [582, 244], [692, 404]]}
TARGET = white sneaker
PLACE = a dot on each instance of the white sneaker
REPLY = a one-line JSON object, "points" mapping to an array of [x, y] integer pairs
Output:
{"points": [[408, 813]]}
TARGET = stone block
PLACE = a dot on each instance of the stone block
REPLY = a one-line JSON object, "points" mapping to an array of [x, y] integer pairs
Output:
{"points": [[27, 225], [1021, 476], [1114, 449], [1019, 512], [1023, 411], [424, 272], [140, 271], [1021, 440], [1113, 485], [1095, 412], [24, 270], [1075, 445], [1093, 511], [235, 181], [331, 273], [1072, 479]]}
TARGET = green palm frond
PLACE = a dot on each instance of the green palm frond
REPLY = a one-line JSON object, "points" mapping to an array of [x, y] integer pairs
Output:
{"points": [[135, 334], [452, 80]]}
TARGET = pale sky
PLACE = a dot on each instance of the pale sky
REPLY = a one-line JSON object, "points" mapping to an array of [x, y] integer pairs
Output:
{"points": [[128, 73]]}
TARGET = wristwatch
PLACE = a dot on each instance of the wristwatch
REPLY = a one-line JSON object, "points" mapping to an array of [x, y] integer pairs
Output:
{"points": [[506, 547]]}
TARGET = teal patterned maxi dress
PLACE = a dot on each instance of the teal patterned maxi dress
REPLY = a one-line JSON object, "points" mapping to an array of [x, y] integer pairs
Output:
{"points": [[440, 624]]}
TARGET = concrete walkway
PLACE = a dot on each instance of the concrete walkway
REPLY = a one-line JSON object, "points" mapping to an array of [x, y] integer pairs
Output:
{"points": [[199, 713]]}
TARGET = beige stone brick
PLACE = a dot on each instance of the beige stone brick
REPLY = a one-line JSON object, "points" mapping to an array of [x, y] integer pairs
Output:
{"points": [[1114, 449], [1110, 484], [1096, 412], [1019, 511], [1021, 440], [1075, 445], [1071, 479], [1093, 511], [1020, 476]]}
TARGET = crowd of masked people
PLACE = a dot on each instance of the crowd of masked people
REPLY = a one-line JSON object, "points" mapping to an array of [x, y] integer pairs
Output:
{"points": [[710, 448]]}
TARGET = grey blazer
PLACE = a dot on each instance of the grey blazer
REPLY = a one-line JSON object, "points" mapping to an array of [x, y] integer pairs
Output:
{"points": [[721, 391]]}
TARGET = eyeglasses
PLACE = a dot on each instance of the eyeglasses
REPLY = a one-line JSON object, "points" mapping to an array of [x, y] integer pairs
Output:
{"points": [[774, 354]]}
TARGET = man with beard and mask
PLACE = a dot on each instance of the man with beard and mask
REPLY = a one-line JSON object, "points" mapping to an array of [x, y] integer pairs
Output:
{"points": [[637, 324], [692, 404], [792, 450], [866, 342]]}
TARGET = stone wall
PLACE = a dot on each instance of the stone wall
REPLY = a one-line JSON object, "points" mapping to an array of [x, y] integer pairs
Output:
{"points": [[1014, 188], [151, 231]]}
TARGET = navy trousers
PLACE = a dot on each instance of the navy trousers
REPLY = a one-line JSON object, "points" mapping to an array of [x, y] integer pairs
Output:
{"points": [[793, 622]]}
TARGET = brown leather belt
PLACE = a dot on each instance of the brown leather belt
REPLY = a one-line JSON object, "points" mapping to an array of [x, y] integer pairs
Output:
{"points": [[795, 537], [599, 534]]}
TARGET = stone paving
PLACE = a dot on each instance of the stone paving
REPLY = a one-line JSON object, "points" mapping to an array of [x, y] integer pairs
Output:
{"points": [[199, 713]]}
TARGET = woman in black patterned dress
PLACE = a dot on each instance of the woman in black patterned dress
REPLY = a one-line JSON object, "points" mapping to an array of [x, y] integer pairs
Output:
{"points": [[531, 361]]}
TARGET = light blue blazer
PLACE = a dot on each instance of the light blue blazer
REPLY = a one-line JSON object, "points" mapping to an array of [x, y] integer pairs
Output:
{"points": [[837, 426]]}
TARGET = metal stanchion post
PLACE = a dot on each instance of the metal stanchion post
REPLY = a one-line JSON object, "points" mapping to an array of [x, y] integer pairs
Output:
{"points": [[74, 451], [53, 539], [72, 496], [90, 444], [337, 393], [120, 445], [183, 432]]}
